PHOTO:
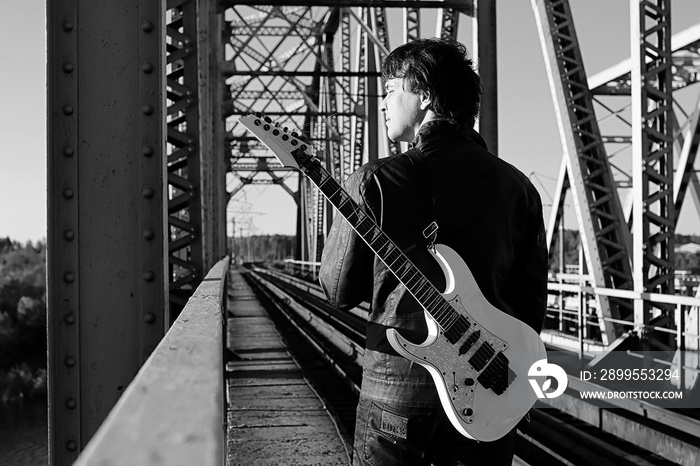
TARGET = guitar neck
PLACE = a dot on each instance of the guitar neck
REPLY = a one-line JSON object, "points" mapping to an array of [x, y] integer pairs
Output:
{"points": [[365, 226]]}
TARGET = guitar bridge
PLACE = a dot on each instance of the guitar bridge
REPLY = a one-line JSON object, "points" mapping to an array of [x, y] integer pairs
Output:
{"points": [[497, 375]]}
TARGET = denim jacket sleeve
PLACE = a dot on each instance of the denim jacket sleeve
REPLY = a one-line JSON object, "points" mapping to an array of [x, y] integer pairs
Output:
{"points": [[347, 263]]}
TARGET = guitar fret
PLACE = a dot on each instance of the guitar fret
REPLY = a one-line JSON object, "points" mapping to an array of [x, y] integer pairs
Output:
{"points": [[432, 300]]}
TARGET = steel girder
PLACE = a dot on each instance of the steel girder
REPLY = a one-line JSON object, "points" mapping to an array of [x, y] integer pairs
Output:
{"points": [[107, 282], [652, 155], [411, 23], [484, 33], [604, 233], [196, 164], [612, 91]]}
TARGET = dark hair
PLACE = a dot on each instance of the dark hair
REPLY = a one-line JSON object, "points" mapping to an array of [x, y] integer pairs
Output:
{"points": [[441, 69]]}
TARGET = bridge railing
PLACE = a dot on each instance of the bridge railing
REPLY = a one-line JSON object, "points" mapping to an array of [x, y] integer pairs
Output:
{"points": [[173, 412], [302, 269]]}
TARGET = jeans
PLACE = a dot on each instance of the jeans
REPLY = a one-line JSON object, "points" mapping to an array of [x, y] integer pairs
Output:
{"points": [[388, 434]]}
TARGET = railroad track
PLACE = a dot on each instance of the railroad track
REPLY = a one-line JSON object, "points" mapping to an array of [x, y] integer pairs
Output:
{"points": [[328, 345]]}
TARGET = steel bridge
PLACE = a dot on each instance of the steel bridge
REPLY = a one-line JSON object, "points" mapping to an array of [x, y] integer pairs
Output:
{"points": [[144, 154]]}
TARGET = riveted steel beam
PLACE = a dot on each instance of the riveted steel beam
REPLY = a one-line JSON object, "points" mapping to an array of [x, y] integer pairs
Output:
{"points": [[196, 176], [486, 51], [107, 298], [411, 22], [604, 232], [652, 155]]}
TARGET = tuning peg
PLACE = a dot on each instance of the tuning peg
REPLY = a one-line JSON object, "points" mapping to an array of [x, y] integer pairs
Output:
{"points": [[295, 135], [286, 129], [268, 119]]}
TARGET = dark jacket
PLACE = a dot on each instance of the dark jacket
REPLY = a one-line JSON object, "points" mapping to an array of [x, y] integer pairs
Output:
{"points": [[486, 210]]}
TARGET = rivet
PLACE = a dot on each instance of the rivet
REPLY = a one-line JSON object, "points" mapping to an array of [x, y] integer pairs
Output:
{"points": [[68, 151], [69, 277], [69, 235], [147, 26], [70, 403], [70, 361], [70, 319], [68, 193], [71, 445], [68, 25], [147, 109], [68, 109], [149, 276], [147, 150], [147, 68], [148, 234], [68, 67], [148, 193], [149, 318]]}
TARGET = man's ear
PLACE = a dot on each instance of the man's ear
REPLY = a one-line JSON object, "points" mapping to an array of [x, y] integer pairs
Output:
{"points": [[425, 101]]}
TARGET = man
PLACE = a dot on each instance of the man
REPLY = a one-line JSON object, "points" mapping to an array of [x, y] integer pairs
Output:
{"points": [[484, 209]]}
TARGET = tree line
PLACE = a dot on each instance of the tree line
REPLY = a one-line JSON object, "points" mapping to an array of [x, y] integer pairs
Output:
{"points": [[262, 248], [22, 319], [682, 260]]}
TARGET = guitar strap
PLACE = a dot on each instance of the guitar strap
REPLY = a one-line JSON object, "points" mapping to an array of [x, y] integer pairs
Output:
{"points": [[418, 159]]}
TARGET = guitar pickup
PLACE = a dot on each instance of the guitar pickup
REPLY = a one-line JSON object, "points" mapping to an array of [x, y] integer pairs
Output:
{"points": [[466, 346], [482, 356], [457, 330]]}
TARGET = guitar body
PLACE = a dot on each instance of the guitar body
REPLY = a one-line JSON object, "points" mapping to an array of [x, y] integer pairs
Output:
{"points": [[477, 412]]}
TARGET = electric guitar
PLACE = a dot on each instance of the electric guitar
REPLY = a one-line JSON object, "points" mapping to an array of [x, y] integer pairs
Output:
{"points": [[478, 356]]}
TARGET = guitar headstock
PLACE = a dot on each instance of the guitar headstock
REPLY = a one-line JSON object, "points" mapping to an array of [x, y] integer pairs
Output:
{"points": [[278, 139]]}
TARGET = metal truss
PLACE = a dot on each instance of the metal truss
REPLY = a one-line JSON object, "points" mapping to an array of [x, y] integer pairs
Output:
{"points": [[411, 23], [186, 256], [300, 65], [604, 233], [640, 130], [652, 156]]}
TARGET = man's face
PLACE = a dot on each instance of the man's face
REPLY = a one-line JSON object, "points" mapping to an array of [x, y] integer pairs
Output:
{"points": [[404, 111]]}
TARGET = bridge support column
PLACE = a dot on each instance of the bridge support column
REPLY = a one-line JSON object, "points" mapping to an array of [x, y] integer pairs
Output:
{"points": [[107, 284]]}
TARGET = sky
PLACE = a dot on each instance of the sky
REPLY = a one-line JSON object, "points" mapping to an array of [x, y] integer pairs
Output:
{"points": [[528, 135]]}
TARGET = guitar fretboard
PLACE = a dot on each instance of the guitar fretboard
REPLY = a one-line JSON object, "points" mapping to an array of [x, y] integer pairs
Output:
{"points": [[365, 226]]}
